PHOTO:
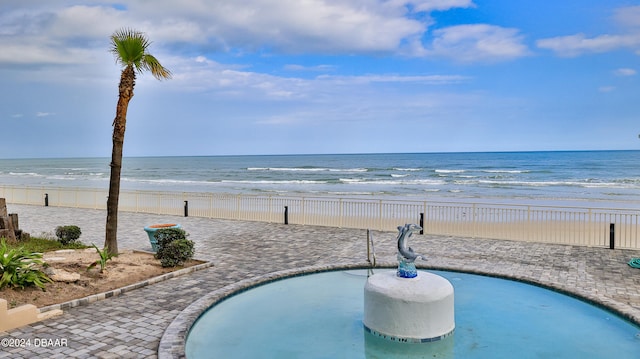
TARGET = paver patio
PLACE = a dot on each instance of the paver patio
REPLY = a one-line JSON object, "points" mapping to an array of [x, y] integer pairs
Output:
{"points": [[131, 325]]}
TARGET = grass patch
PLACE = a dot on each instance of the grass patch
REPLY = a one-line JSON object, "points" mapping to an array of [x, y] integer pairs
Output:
{"points": [[41, 245]]}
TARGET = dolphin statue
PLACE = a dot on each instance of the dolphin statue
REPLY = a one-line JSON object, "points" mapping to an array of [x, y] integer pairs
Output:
{"points": [[403, 250]]}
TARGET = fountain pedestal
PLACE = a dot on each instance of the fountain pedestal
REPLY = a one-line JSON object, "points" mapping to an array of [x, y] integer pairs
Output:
{"points": [[419, 309]]}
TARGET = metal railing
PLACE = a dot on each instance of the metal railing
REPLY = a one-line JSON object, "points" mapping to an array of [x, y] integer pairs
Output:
{"points": [[371, 250], [599, 227]]}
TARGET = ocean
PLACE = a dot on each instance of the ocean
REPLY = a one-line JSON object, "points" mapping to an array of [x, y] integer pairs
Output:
{"points": [[593, 176]]}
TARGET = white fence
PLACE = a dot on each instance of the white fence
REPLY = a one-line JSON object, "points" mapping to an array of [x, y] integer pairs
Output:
{"points": [[599, 227]]}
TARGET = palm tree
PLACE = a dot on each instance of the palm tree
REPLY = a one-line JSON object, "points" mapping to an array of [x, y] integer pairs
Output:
{"points": [[130, 50]]}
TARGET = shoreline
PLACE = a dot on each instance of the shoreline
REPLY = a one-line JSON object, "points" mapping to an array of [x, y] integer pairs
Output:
{"points": [[568, 202]]}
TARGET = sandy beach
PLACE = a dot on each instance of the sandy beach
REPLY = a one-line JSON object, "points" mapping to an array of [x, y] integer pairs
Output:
{"points": [[132, 325]]}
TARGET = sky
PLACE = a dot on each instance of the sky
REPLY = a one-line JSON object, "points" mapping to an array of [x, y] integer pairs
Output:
{"points": [[323, 76]]}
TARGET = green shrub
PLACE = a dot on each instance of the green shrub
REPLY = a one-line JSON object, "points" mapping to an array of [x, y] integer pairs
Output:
{"points": [[173, 247], [177, 252], [170, 234], [68, 234], [18, 267]]}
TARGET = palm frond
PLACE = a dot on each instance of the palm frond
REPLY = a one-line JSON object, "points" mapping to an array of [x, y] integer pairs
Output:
{"points": [[130, 49], [157, 70], [128, 46]]}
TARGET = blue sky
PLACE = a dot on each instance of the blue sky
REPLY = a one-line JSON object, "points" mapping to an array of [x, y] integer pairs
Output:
{"points": [[323, 76]]}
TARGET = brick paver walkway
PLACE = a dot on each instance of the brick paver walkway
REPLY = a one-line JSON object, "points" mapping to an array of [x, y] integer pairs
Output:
{"points": [[131, 325]]}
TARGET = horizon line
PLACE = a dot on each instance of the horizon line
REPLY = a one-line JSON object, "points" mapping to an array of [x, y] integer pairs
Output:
{"points": [[319, 154]]}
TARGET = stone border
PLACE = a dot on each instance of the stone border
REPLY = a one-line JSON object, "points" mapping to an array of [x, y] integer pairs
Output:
{"points": [[173, 341], [118, 291]]}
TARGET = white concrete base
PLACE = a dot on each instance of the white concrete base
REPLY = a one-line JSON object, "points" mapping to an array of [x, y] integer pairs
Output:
{"points": [[22, 315], [419, 309]]}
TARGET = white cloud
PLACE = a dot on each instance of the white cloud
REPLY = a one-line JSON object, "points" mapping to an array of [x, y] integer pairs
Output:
{"points": [[39, 51], [56, 36], [291, 26], [625, 72], [87, 22], [63, 32], [44, 114], [628, 18], [200, 74], [478, 43], [575, 45], [368, 79], [317, 68], [606, 89], [272, 100], [430, 5]]}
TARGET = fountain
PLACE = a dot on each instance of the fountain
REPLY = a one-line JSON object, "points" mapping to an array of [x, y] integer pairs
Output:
{"points": [[404, 306], [320, 312]]}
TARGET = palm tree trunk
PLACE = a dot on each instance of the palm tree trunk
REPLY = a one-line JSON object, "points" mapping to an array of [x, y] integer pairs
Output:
{"points": [[127, 82]]}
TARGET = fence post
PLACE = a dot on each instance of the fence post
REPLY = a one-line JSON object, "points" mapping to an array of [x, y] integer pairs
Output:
{"points": [[422, 223], [340, 213], [474, 219], [186, 208], [612, 236], [270, 209], [46, 200], [238, 206], [380, 224], [286, 214]]}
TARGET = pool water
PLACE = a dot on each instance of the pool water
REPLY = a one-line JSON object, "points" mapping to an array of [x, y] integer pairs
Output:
{"points": [[320, 316]]}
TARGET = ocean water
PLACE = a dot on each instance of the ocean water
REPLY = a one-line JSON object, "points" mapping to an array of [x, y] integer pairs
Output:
{"points": [[612, 176]]}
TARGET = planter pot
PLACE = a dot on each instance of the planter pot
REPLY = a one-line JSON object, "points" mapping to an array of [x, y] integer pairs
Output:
{"points": [[151, 231]]}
